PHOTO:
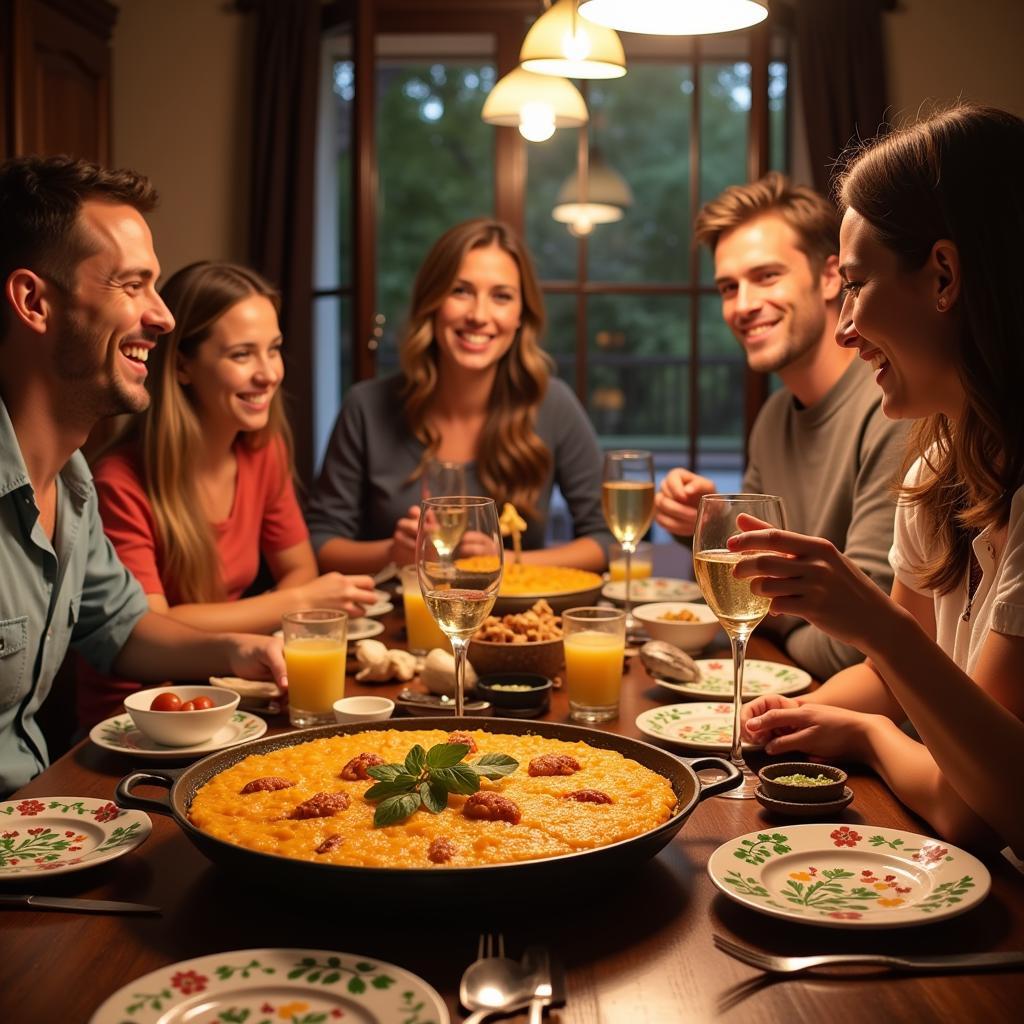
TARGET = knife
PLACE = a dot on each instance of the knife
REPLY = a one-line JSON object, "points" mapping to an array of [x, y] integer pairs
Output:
{"points": [[76, 903], [549, 988]]}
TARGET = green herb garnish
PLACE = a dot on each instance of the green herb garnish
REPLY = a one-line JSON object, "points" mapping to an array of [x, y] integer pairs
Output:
{"points": [[427, 777]]}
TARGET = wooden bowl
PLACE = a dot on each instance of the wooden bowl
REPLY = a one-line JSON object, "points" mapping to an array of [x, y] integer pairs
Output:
{"points": [[542, 657], [788, 793]]}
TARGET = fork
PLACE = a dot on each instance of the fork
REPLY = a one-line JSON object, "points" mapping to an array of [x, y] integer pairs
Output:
{"points": [[942, 963], [493, 984]]}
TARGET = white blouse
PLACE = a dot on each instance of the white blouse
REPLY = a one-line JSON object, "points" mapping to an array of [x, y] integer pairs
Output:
{"points": [[999, 600]]}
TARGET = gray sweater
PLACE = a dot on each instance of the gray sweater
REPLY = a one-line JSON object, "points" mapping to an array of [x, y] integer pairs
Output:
{"points": [[834, 464], [364, 487]]}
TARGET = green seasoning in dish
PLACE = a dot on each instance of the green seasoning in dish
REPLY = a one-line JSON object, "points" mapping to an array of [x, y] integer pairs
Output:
{"points": [[803, 780], [512, 687]]}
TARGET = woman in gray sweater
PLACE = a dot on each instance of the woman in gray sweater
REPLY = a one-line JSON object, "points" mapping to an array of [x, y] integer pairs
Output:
{"points": [[475, 387]]}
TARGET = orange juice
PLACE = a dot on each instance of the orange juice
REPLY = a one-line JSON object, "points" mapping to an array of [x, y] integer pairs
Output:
{"points": [[316, 672], [593, 668], [422, 631], [640, 569]]}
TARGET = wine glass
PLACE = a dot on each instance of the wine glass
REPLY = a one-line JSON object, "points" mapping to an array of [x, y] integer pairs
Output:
{"points": [[459, 559], [627, 498], [445, 479], [739, 610]]}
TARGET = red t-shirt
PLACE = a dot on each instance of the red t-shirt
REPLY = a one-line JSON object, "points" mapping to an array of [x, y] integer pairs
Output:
{"points": [[265, 517]]}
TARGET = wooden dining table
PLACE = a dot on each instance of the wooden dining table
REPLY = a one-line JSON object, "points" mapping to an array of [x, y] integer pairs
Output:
{"points": [[637, 945]]}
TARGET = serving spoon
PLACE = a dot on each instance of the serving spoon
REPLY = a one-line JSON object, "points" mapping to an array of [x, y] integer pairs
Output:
{"points": [[495, 984]]}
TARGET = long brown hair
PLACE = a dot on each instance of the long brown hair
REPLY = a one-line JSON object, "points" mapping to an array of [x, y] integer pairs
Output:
{"points": [[512, 461], [957, 175], [198, 296]]}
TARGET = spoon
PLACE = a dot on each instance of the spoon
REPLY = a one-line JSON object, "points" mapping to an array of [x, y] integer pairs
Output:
{"points": [[493, 985]]}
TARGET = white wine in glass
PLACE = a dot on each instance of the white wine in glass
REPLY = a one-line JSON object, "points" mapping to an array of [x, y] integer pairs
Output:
{"points": [[459, 572], [627, 500], [738, 609], [442, 479]]}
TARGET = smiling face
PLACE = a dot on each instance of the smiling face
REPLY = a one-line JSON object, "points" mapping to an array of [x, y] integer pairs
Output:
{"points": [[772, 300], [107, 325], [476, 323], [890, 316], [234, 373]]}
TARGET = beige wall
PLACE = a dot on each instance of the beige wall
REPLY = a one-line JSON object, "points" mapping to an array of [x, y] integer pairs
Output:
{"points": [[180, 78], [179, 81], [941, 50]]}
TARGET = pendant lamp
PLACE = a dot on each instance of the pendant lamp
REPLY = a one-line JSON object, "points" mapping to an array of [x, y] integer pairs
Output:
{"points": [[562, 43], [535, 104], [675, 17], [604, 199]]}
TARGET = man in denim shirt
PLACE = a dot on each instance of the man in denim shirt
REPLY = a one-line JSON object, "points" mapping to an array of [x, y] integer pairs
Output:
{"points": [[78, 317]]}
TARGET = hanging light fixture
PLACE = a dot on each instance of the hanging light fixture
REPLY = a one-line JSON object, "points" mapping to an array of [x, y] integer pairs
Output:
{"points": [[593, 194], [675, 17], [562, 43], [535, 104]]}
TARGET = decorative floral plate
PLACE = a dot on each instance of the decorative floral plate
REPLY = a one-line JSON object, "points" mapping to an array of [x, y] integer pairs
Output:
{"points": [[758, 677], [119, 733], [842, 876], [705, 726], [56, 834], [652, 588], [269, 986]]}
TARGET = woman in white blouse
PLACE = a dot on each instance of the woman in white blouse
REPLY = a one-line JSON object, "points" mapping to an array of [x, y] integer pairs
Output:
{"points": [[931, 255]]}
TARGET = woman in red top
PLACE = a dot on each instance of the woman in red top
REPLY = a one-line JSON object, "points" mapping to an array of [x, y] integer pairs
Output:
{"points": [[202, 485]]}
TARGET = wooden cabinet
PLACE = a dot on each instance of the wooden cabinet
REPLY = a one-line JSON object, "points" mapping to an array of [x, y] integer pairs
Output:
{"points": [[55, 68]]}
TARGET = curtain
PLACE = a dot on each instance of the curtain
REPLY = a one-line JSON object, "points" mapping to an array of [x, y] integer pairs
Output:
{"points": [[284, 101], [841, 65]]}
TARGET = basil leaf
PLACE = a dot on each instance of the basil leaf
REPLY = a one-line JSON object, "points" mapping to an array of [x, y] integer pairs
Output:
{"points": [[460, 778], [444, 755], [386, 772], [434, 796], [416, 760], [495, 766], [402, 784], [395, 809]]}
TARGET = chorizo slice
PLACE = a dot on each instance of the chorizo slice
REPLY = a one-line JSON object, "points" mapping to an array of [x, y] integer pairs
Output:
{"points": [[323, 805], [464, 738], [441, 850], [554, 764], [267, 785], [588, 796], [358, 767], [488, 806], [332, 842]]}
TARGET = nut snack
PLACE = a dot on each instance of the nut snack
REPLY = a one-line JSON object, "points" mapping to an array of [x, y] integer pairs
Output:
{"points": [[597, 798], [538, 624]]}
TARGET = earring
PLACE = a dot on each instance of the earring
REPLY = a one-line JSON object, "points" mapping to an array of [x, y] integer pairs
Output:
{"points": [[942, 303]]}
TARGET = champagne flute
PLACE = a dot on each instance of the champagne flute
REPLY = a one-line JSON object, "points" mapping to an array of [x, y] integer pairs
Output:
{"points": [[459, 570], [739, 610], [445, 479], [627, 498]]}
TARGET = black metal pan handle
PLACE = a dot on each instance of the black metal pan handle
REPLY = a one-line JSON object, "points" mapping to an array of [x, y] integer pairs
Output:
{"points": [[732, 778], [124, 797]]}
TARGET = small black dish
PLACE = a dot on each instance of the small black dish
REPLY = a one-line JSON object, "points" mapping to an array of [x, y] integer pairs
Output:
{"points": [[824, 809], [519, 694], [823, 793]]}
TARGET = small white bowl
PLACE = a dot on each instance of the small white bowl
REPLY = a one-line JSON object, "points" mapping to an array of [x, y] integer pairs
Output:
{"points": [[181, 728], [687, 636], [362, 709]]}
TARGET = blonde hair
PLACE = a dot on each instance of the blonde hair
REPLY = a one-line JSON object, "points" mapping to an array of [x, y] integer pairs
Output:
{"points": [[198, 296], [512, 461]]}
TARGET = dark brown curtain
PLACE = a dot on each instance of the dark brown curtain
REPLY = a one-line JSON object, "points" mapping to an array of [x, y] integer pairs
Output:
{"points": [[284, 100], [841, 65]]}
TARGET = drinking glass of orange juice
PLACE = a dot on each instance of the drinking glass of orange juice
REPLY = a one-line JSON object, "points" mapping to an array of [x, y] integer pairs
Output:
{"points": [[642, 565], [595, 646], [422, 632], [314, 652]]}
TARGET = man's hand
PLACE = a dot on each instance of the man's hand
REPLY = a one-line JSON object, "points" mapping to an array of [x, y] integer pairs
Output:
{"points": [[256, 657], [675, 505]]}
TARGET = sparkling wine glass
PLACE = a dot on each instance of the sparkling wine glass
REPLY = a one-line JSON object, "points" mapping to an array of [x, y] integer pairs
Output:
{"points": [[627, 498], [443, 479], [739, 610], [459, 559]]}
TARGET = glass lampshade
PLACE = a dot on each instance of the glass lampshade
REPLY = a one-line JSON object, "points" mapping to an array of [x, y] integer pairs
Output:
{"points": [[562, 43], [675, 17], [534, 104], [605, 199]]}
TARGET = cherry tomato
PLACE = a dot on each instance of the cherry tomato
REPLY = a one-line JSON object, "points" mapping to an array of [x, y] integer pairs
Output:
{"points": [[188, 706], [201, 703], [166, 702]]}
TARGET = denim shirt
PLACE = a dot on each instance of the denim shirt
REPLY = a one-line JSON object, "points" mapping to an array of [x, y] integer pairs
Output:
{"points": [[72, 592]]}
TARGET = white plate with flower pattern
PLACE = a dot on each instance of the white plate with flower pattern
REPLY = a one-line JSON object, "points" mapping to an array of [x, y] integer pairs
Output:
{"points": [[841, 876], [264, 985], [706, 726], [53, 835], [652, 588], [120, 734], [758, 677]]}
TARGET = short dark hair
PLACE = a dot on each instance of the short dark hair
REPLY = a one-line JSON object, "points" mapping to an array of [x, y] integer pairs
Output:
{"points": [[814, 219], [40, 198]]}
